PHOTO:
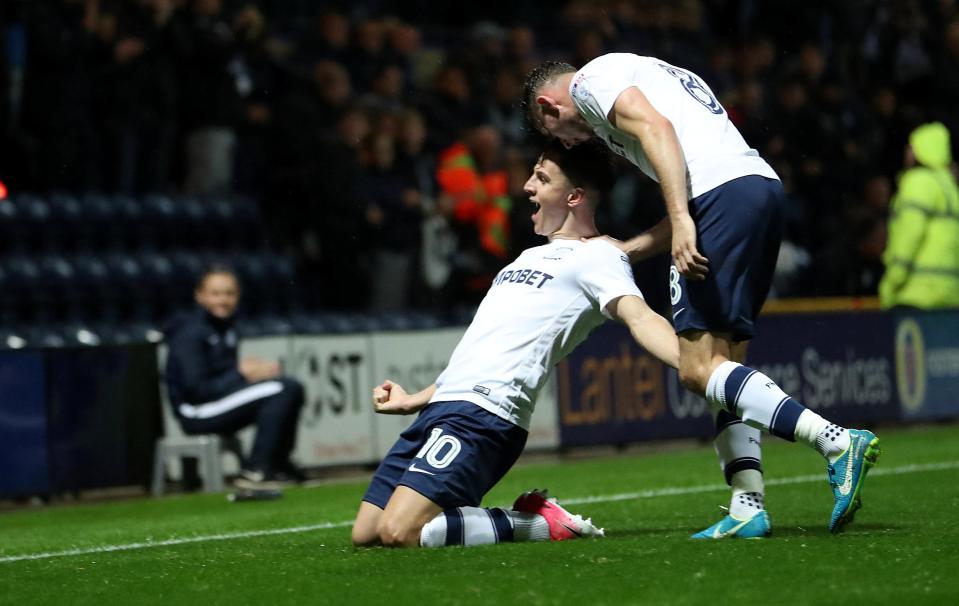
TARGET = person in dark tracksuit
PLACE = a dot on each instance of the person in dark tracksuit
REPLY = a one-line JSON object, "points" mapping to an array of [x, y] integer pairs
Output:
{"points": [[213, 391]]}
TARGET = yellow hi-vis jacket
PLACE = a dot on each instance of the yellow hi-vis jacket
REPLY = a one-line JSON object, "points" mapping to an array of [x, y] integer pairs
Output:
{"points": [[922, 254]]}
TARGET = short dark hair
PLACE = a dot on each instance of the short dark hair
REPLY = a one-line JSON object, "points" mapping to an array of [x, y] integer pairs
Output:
{"points": [[537, 79], [588, 165], [214, 269]]}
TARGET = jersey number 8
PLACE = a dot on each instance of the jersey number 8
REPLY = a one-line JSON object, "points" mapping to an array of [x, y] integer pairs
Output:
{"points": [[695, 88]]}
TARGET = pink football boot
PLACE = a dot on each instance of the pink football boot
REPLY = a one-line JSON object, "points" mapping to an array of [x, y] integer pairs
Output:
{"points": [[563, 525]]}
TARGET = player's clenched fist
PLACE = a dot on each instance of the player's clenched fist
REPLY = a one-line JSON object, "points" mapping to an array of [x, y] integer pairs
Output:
{"points": [[390, 398]]}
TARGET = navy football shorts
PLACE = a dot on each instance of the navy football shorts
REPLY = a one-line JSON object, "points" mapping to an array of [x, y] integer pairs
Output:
{"points": [[739, 226], [452, 454]]}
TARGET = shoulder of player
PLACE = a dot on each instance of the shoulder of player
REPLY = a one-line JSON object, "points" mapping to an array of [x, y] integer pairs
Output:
{"points": [[603, 247]]}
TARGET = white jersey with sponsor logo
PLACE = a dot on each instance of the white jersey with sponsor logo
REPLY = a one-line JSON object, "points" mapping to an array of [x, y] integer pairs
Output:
{"points": [[715, 151], [538, 309]]}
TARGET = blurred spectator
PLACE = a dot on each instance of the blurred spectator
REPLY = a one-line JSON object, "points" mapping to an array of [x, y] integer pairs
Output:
{"points": [[449, 108], [366, 55], [502, 109], [470, 172], [137, 96], [394, 212], [215, 80], [212, 390], [280, 99], [387, 90], [331, 39], [922, 256]]}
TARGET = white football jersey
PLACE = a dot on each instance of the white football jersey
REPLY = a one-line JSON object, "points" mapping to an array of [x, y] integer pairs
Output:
{"points": [[538, 309], [715, 151]]}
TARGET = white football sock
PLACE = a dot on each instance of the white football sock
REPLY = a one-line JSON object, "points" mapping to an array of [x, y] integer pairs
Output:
{"points": [[829, 440], [748, 497], [483, 526], [746, 504]]}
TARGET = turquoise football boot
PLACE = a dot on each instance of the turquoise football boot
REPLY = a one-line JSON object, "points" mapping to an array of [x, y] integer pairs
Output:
{"points": [[730, 527], [847, 474]]}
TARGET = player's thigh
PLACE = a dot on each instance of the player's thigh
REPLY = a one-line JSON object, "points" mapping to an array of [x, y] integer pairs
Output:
{"points": [[738, 229], [366, 526], [404, 517]]}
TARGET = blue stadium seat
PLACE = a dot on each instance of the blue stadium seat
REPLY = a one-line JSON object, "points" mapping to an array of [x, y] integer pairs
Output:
{"points": [[161, 226], [128, 222], [8, 299], [34, 215], [94, 294], [161, 283], [126, 279], [11, 338], [265, 325], [306, 323], [187, 266], [100, 228], [194, 216], [57, 298], [12, 236], [24, 280], [64, 232]]}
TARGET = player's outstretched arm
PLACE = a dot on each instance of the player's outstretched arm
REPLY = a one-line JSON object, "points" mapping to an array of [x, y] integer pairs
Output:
{"points": [[651, 330], [390, 398], [634, 114]]}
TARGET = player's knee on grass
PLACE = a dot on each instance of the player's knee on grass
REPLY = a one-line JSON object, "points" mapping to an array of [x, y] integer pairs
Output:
{"points": [[365, 535], [397, 532], [366, 532]]}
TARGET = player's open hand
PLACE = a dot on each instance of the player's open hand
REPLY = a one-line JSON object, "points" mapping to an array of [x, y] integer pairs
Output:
{"points": [[389, 398], [689, 262]]}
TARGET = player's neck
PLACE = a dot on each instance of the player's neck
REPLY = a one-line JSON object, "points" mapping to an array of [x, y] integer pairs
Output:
{"points": [[574, 229]]}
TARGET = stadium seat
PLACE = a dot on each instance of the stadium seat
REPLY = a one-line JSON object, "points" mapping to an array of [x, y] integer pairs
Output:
{"points": [[208, 449], [8, 299], [132, 294], [34, 215], [12, 236], [99, 227], [130, 230], [63, 233], [55, 296], [266, 325], [159, 283], [161, 225], [23, 279], [194, 221], [93, 296]]}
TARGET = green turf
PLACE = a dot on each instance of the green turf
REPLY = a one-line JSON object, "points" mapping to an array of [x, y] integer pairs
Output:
{"points": [[901, 549]]}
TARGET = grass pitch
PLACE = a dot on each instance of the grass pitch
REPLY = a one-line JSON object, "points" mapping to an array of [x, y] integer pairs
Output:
{"points": [[195, 549]]}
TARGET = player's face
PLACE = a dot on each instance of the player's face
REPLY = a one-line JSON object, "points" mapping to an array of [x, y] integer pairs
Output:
{"points": [[549, 190], [565, 124], [219, 294]]}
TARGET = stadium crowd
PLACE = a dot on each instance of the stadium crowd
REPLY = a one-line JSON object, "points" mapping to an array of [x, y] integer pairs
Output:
{"points": [[385, 144]]}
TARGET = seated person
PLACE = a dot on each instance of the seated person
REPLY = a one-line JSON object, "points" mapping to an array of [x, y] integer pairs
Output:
{"points": [[475, 419], [211, 391]]}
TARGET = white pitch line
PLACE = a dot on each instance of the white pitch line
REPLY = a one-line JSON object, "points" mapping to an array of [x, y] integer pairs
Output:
{"points": [[626, 496], [819, 477], [168, 542]]}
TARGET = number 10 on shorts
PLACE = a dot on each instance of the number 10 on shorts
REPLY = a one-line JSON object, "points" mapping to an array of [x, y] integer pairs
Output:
{"points": [[440, 449]]}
